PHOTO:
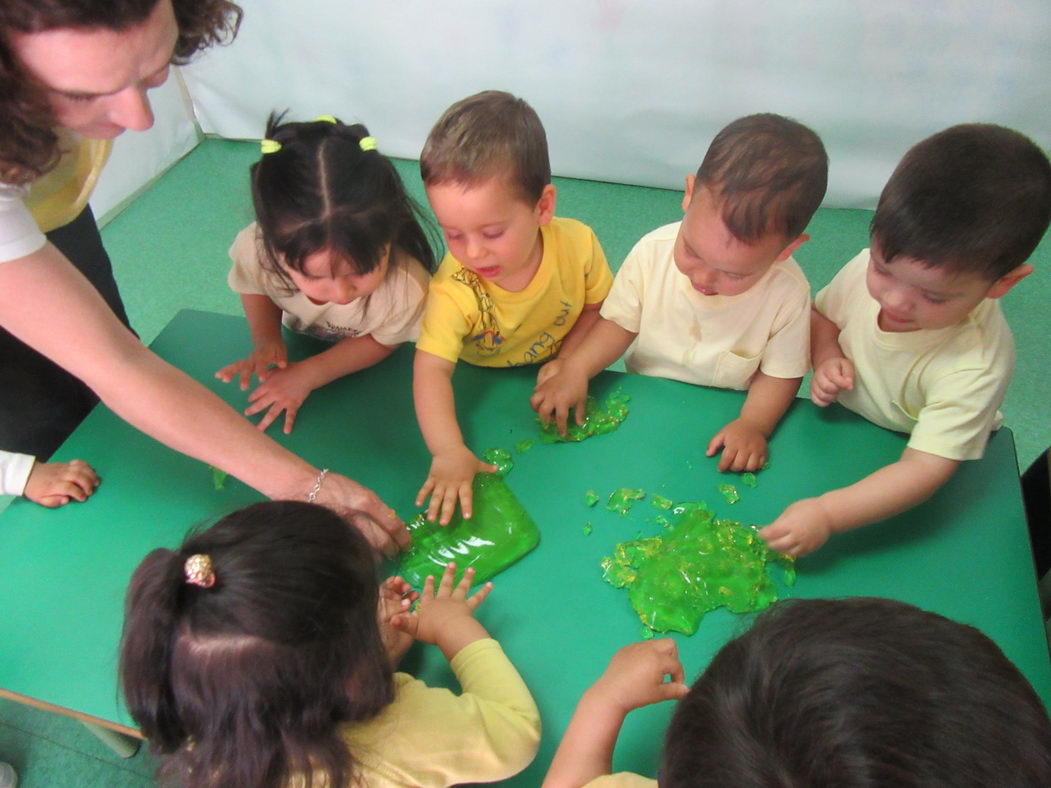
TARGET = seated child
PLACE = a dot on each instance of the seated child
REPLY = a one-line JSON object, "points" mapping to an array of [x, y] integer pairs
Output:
{"points": [[336, 251], [909, 333], [519, 284], [260, 653], [50, 484], [716, 299], [820, 692]]}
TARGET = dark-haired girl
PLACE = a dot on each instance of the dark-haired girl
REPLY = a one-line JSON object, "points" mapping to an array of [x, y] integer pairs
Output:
{"points": [[261, 653], [337, 251]]}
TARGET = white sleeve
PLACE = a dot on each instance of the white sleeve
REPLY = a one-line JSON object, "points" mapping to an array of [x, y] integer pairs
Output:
{"points": [[246, 274], [19, 234], [14, 472]]}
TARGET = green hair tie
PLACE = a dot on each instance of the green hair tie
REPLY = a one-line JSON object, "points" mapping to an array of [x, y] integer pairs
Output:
{"points": [[269, 146], [367, 143]]}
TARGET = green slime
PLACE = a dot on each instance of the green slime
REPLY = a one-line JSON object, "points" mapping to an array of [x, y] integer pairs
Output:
{"points": [[729, 493], [501, 458], [598, 419], [524, 445], [621, 501], [500, 533], [218, 478], [698, 564], [749, 479]]}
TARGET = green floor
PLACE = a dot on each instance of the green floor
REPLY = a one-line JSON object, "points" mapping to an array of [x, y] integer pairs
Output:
{"points": [[169, 253]]}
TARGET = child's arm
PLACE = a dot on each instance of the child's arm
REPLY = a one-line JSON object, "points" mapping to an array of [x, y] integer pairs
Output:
{"points": [[445, 617], [589, 316], [833, 371], [806, 525], [268, 348], [744, 440], [50, 484], [286, 389], [567, 389], [453, 466], [634, 678]]}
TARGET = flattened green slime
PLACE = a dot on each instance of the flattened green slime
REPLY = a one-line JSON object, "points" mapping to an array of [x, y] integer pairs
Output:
{"points": [[501, 458], [524, 445], [591, 498], [598, 419], [218, 478], [749, 479], [621, 501], [729, 493], [660, 502], [587, 529], [500, 533], [698, 564]]}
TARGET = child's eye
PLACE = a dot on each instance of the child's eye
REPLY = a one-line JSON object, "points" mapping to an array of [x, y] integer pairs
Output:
{"points": [[935, 299], [451, 236], [734, 277], [492, 235]]}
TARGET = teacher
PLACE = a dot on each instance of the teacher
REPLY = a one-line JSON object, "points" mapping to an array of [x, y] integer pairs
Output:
{"points": [[73, 75]]}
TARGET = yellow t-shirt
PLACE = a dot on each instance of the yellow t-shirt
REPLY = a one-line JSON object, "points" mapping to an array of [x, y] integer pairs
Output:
{"points": [[941, 386], [58, 197], [480, 322], [431, 738], [622, 780]]}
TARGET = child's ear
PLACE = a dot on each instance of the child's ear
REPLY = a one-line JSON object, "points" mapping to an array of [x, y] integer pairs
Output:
{"points": [[787, 251], [1002, 285], [545, 206], [686, 198]]}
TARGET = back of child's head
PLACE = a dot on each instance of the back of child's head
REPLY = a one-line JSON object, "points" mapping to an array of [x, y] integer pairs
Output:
{"points": [[241, 664], [325, 186], [769, 175], [488, 135], [975, 198], [858, 692]]}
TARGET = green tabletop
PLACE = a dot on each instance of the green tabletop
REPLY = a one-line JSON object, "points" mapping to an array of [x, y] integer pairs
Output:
{"points": [[964, 553]]}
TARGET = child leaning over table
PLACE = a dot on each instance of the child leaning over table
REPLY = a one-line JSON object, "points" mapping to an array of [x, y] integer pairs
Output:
{"points": [[910, 334], [519, 285], [717, 299]]}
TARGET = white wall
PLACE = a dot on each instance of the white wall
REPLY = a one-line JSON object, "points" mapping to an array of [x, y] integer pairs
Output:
{"points": [[139, 157], [633, 90]]}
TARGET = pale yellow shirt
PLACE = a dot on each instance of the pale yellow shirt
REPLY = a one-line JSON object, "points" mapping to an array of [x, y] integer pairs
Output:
{"points": [[622, 780], [471, 319], [941, 386], [430, 737], [391, 316], [710, 340]]}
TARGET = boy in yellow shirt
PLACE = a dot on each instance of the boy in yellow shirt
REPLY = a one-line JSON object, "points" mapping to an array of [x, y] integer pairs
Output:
{"points": [[910, 333], [717, 299], [518, 286]]}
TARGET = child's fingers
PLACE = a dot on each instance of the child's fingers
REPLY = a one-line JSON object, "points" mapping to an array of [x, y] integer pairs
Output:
{"points": [[466, 496], [406, 622], [464, 585], [561, 415], [580, 409], [425, 490], [479, 596], [717, 441], [445, 587]]}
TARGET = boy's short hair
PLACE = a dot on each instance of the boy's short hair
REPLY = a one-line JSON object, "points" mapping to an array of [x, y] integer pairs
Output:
{"points": [[858, 692], [975, 198], [769, 172], [489, 134]]}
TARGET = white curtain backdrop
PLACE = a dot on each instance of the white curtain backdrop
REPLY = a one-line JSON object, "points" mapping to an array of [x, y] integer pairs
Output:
{"points": [[633, 90]]}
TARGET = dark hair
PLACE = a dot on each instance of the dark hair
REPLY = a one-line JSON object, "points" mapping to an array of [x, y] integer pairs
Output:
{"points": [[858, 692], [975, 198], [768, 172], [29, 144], [246, 682], [486, 135], [322, 191]]}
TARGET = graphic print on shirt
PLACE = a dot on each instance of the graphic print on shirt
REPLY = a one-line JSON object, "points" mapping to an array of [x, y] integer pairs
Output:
{"points": [[487, 339]]}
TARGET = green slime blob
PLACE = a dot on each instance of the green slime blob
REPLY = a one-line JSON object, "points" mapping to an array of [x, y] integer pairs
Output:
{"points": [[591, 498], [729, 493], [587, 529], [501, 458], [218, 478], [524, 445], [749, 479], [660, 502], [621, 501], [698, 564], [598, 419], [500, 533]]}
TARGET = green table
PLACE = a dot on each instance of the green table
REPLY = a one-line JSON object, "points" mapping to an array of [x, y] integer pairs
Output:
{"points": [[964, 553]]}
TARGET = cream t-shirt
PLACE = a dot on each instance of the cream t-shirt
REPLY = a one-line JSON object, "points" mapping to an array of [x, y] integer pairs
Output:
{"points": [[710, 340], [622, 780], [391, 315], [941, 386]]}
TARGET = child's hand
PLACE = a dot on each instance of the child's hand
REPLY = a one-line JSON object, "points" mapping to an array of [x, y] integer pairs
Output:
{"points": [[395, 597], [548, 370], [450, 479], [54, 484], [285, 389], [743, 444], [445, 617], [559, 393], [258, 363], [831, 377], [802, 528], [635, 676]]}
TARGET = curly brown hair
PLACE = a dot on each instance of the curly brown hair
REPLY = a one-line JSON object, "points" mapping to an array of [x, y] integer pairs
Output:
{"points": [[29, 144]]}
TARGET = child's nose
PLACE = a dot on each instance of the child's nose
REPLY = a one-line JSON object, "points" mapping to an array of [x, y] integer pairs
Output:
{"points": [[474, 249]]}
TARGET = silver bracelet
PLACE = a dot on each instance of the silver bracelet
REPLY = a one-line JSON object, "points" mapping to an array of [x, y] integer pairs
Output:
{"points": [[312, 496]]}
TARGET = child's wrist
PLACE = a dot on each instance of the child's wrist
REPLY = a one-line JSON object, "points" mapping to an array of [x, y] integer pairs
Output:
{"points": [[457, 635]]}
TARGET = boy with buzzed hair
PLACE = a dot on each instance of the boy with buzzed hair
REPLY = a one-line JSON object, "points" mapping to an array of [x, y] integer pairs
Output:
{"points": [[910, 334], [717, 299], [821, 692], [518, 286]]}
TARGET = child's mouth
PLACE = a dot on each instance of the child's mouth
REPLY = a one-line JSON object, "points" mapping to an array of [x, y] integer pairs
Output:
{"points": [[489, 271]]}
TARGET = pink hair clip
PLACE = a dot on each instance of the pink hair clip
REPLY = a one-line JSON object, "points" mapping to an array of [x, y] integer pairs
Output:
{"points": [[198, 570]]}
